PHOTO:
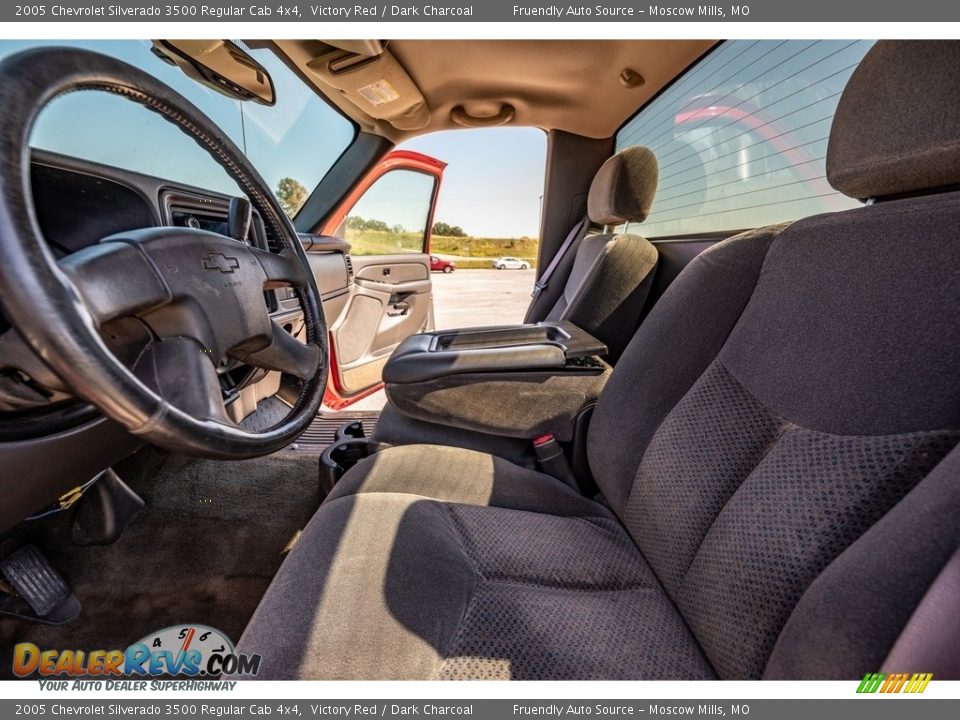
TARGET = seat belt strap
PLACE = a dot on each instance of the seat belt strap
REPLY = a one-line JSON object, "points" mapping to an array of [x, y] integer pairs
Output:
{"points": [[575, 234]]}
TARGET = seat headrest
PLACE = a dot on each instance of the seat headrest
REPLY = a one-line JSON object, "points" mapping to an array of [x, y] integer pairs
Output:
{"points": [[897, 126], [623, 188]]}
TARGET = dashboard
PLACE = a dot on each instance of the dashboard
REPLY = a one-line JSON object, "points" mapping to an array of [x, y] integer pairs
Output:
{"points": [[78, 203]]}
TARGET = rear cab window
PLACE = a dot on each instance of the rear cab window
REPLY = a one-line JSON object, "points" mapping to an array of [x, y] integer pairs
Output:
{"points": [[741, 138]]}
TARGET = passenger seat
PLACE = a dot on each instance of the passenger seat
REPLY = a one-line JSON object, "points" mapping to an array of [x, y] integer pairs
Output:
{"points": [[607, 282], [606, 279]]}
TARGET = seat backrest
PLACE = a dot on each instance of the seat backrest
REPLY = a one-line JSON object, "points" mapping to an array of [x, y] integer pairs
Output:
{"points": [[780, 437], [610, 275]]}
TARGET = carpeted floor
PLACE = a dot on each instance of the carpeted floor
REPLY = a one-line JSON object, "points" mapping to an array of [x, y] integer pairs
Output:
{"points": [[203, 550]]}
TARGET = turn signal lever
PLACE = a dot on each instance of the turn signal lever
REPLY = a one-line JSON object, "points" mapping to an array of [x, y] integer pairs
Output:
{"points": [[239, 217]]}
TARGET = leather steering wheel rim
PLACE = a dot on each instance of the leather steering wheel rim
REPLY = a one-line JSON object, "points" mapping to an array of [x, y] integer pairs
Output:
{"points": [[50, 313]]}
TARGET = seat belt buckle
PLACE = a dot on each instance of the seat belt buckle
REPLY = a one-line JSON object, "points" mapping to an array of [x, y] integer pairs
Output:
{"points": [[552, 460], [537, 289]]}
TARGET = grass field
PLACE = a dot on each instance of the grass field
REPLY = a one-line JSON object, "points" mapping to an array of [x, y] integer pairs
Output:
{"points": [[467, 252]]}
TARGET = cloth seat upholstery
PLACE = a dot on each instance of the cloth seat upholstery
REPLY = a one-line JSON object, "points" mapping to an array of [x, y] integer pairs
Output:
{"points": [[777, 454]]}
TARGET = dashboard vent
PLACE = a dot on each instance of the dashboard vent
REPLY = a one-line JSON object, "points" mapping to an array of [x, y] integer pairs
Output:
{"points": [[274, 245], [349, 262], [209, 212]]}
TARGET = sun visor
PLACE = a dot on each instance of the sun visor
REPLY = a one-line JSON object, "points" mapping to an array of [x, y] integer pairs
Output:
{"points": [[377, 84]]}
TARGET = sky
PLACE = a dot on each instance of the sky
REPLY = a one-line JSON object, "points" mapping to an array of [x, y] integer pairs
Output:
{"points": [[493, 180]]}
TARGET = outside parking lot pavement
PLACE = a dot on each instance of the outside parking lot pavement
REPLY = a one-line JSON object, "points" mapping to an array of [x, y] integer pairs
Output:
{"points": [[481, 297]]}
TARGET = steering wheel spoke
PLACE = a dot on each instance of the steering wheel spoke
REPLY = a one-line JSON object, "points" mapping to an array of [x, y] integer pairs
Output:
{"points": [[287, 354], [115, 280], [281, 269], [181, 371]]}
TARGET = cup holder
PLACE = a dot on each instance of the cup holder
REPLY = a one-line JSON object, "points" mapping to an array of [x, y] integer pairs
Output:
{"points": [[350, 447], [351, 430]]}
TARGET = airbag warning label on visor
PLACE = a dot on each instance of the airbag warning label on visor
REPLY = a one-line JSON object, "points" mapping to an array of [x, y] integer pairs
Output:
{"points": [[379, 93]]}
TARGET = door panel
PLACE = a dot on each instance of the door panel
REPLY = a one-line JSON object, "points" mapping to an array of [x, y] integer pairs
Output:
{"points": [[387, 221], [396, 269], [391, 299]]}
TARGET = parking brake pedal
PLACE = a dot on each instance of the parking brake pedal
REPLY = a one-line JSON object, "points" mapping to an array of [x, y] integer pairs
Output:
{"points": [[41, 593]]}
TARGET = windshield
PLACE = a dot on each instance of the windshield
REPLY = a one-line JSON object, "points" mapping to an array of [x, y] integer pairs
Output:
{"points": [[292, 144]]}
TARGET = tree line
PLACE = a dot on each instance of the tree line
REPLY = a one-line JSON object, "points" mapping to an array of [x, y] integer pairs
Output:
{"points": [[292, 195]]}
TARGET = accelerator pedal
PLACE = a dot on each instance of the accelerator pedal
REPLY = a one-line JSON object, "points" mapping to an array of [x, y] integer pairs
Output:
{"points": [[41, 594]]}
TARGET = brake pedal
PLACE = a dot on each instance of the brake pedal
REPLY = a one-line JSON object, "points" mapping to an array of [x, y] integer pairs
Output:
{"points": [[41, 593]]}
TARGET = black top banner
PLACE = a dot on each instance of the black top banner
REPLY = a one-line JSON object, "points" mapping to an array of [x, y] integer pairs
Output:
{"points": [[606, 11]]}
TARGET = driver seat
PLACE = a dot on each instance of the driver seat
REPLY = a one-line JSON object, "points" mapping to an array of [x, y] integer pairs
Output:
{"points": [[776, 451]]}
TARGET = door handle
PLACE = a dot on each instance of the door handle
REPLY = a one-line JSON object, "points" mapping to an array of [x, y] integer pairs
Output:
{"points": [[398, 309]]}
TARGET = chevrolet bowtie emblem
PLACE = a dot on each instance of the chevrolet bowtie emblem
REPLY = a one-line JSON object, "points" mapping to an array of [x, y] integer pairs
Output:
{"points": [[219, 261]]}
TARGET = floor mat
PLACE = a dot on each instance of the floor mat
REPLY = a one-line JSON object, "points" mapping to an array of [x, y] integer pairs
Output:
{"points": [[202, 551]]}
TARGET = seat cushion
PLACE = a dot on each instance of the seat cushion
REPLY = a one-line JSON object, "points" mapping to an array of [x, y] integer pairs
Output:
{"points": [[464, 476], [393, 428], [455, 591]]}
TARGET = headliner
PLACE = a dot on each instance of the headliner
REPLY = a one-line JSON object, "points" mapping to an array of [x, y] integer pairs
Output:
{"points": [[571, 85]]}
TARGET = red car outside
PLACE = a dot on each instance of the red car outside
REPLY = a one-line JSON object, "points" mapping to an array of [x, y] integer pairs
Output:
{"points": [[441, 265]]}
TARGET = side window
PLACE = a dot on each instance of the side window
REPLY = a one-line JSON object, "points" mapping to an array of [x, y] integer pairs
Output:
{"points": [[742, 137], [392, 215]]}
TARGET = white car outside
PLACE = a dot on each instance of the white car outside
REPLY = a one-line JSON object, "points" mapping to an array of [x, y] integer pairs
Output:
{"points": [[511, 263]]}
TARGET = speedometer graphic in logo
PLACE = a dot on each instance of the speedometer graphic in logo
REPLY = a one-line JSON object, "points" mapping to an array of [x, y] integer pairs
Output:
{"points": [[187, 648]]}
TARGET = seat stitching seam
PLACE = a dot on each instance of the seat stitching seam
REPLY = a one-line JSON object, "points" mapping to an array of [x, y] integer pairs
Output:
{"points": [[428, 498], [631, 587], [460, 536], [595, 523], [776, 231], [460, 539], [938, 431], [456, 637], [884, 207], [783, 427], [585, 518], [901, 157]]}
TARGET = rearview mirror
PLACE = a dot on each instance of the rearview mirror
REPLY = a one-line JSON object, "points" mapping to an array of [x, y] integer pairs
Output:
{"points": [[221, 65]]}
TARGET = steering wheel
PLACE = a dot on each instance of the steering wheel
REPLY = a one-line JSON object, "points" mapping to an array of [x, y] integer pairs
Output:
{"points": [[199, 293]]}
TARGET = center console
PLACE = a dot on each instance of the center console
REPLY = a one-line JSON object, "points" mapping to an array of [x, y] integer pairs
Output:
{"points": [[519, 381], [492, 389]]}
